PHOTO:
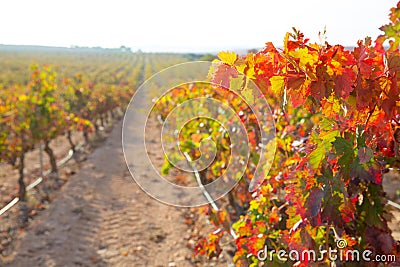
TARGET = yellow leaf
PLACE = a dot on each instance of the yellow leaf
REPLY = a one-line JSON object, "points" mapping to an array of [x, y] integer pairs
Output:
{"points": [[250, 66], [277, 84], [22, 97], [246, 66], [228, 57], [306, 57], [330, 106], [285, 42]]}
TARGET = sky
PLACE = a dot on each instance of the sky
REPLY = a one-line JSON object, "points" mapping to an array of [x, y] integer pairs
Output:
{"points": [[186, 26]]}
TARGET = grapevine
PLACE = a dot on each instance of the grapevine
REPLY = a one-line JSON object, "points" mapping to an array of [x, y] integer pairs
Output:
{"points": [[337, 121]]}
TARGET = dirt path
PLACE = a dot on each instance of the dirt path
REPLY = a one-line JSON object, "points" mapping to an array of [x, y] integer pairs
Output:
{"points": [[102, 218]]}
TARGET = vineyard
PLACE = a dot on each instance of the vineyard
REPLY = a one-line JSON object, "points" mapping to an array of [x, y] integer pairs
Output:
{"points": [[58, 101], [85, 91], [314, 168]]}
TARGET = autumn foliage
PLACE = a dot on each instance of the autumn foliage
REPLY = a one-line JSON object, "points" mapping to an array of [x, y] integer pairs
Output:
{"points": [[337, 117]]}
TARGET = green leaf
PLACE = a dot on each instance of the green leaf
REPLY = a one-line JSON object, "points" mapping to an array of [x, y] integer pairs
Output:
{"points": [[248, 95], [317, 156], [345, 150], [166, 167], [343, 146], [326, 124], [325, 144]]}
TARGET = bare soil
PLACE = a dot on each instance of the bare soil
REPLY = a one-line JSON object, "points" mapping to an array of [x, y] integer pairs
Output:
{"points": [[102, 218]]}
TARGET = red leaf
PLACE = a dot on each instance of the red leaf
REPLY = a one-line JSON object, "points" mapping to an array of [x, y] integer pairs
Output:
{"points": [[223, 74], [314, 201], [344, 83], [363, 62], [388, 105]]}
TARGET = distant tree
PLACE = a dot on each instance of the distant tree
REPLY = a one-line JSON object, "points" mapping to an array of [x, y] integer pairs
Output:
{"points": [[208, 57], [125, 49], [253, 50]]}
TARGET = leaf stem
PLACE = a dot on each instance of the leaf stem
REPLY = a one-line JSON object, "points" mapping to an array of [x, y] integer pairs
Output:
{"points": [[369, 117]]}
